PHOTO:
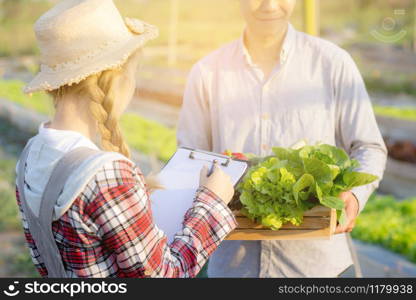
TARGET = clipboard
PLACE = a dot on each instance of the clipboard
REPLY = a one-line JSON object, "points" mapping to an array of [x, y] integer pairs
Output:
{"points": [[180, 177]]}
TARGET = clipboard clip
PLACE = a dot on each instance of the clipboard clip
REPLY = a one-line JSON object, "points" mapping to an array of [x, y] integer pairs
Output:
{"points": [[224, 164]]}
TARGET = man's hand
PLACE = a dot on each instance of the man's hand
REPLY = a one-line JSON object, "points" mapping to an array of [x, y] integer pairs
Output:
{"points": [[351, 209]]}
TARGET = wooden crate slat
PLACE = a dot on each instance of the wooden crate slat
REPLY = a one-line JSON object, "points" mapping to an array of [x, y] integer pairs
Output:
{"points": [[308, 222], [318, 223], [279, 235], [318, 211], [333, 223]]}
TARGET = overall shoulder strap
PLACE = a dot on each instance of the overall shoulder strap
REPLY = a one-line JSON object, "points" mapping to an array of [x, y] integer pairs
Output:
{"points": [[41, 227], [59, 176], [65, 166], [21, 180]]}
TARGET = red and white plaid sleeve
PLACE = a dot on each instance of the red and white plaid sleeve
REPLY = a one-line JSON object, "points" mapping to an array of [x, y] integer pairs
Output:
{"points": [[122, 215]]}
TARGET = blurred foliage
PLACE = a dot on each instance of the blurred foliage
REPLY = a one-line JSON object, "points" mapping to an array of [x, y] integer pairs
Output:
{"points": [[7, 170], [8, 211], [392, 84], [148, 137], [12, 90], [390, 223], [15, 260], [16, 21], [21, 264], [404, 113], [198, 19], [9, 219]]}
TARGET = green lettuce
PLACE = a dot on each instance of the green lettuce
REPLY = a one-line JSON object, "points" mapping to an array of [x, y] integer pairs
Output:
{"points": [[279, 188]]}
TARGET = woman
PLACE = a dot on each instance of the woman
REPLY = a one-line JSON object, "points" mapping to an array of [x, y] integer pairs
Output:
{"points": [[101, 224]]}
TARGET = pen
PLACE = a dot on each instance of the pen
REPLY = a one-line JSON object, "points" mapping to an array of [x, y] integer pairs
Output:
{"points": [[212, 167]]}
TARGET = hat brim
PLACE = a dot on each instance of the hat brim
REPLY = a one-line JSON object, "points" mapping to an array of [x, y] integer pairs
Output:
{"points": [[47, 80]]}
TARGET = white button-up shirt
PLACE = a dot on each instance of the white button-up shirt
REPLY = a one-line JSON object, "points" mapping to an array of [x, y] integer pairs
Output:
{"points": [[314, 93]]}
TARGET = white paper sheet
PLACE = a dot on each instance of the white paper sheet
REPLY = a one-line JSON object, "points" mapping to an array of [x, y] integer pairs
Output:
{"points": [[181, 179]]}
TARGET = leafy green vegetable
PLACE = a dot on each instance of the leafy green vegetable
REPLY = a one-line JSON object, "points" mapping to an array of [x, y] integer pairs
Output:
{"points": [[333, 202], [280, 188]]}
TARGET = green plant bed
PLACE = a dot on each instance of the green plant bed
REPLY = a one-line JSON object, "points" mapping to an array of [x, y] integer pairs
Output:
{"points": [[8, 213], [149, 137], [390, 223], [404, 113], [9, 219], [15, 259], [405, 85], [7, 169], [21, 264]]}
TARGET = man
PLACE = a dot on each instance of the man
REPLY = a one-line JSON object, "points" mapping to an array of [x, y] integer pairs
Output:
{"points": [[273, 87]]}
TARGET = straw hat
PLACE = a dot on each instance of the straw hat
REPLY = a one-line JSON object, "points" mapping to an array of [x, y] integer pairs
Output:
{"points": [[79, 38]]}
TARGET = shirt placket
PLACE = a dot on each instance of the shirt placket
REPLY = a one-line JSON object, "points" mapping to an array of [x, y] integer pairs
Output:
{"points": [[265, 103], [265, 128], [264, 147], [266, 250], [262, 95]]}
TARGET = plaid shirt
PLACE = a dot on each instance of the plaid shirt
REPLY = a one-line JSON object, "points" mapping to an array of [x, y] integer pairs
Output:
{"points": [[109, 232]]}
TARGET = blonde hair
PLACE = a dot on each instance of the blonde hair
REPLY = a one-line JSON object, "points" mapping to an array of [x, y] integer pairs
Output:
{"points": [[100, 90]]}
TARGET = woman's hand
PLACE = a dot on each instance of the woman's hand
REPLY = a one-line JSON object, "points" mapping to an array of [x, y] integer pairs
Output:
{"points": [[218, 182]]}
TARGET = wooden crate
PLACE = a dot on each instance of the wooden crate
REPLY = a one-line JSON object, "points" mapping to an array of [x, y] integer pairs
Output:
{"points": [[318, 223]]}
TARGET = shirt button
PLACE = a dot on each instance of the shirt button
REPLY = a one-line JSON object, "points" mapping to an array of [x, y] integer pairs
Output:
{"points": [[147, 272], [283, 56]]}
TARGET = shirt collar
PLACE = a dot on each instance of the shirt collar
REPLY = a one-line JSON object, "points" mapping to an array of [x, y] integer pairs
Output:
{"points": [[286, 47], [53, 133]]}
